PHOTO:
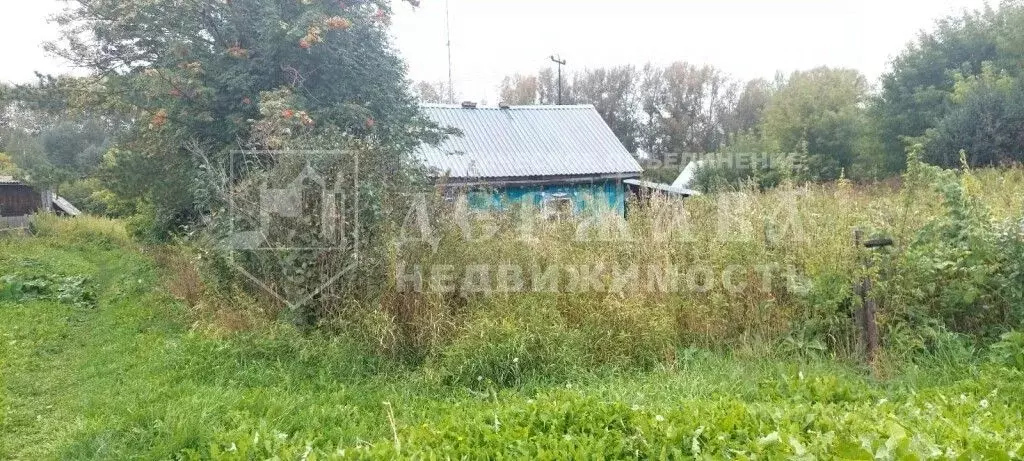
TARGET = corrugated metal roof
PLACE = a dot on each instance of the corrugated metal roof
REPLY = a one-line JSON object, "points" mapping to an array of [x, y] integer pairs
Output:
{"points": [[9, 180], [526, 141]]}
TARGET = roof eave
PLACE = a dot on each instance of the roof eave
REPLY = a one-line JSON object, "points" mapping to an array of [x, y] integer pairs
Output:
{"points": [[534, 180]]}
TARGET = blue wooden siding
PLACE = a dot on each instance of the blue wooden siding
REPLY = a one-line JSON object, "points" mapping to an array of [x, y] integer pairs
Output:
{"points": [[604, 196]]}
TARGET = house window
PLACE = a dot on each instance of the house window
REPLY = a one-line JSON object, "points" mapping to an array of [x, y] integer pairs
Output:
{"points": [[558, 207]]}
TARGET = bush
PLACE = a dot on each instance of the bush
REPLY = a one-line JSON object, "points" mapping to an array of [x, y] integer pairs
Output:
{"points": [[1009, 351], [826, 315], [711, 178], [1010, 277], [90, 196], [962, 268]]}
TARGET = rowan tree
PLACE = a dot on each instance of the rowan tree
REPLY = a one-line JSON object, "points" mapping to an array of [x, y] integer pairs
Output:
{"points": [[197, 79]]}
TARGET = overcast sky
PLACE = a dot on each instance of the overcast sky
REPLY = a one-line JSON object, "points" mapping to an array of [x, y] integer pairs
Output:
{"points": [[494, 38]]}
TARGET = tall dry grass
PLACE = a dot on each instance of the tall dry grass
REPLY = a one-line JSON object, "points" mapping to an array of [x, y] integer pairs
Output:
{"points": [[803, 233], [452, 304]]}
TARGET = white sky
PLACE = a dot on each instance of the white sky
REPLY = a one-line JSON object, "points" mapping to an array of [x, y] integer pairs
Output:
{"points": [[494, 38]]}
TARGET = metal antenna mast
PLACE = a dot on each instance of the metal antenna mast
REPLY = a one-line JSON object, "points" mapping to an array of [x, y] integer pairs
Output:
{"points": [[561, 62], [448, 33]]}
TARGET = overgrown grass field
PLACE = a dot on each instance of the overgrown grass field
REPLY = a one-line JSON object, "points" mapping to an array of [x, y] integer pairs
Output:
{"points": [[104, 356]]}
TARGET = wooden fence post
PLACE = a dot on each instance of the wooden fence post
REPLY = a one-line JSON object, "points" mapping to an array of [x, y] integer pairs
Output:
{"points": [[866, 315]]}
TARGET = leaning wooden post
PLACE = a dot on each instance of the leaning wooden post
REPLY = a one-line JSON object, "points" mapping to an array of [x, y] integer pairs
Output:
{"points": [[870, 326], [866, 316]]}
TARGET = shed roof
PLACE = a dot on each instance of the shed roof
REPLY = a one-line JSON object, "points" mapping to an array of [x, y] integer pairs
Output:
{"points": [[63, 205], [526, 142], [672, 190]]}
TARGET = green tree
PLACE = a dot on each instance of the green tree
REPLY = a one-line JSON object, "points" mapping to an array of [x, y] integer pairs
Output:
{"points": [[193, 75], [548, 87], [750, 106], [915, 94], [52, 135], [7, 166], [985, 119], [819, 112], [697, 101], [6, 100], [76, 146], [61, 153], [652, 110], [519, 90], [27, 153], [611, 92], [650, 97], [431, 93]]}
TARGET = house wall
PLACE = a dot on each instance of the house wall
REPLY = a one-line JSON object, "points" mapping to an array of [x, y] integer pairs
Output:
{"points": [[18, 200], [601, 196]]}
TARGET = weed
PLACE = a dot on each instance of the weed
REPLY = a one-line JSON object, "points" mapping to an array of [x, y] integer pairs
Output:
{"points": [[1009, 351], [72, 290]]}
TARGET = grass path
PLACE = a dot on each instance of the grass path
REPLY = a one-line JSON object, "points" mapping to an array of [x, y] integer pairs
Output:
{"points": [[128, 379]]}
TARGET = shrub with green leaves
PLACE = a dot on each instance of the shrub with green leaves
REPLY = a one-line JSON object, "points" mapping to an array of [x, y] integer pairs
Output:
{"points": [[1009, 351], [962, 268]]}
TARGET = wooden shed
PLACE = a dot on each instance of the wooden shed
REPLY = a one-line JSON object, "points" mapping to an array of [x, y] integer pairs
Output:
{"points": [[19, 200]]}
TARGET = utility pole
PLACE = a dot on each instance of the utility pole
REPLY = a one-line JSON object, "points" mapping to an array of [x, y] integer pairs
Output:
{"points": [[561, 62], [448, 33]]}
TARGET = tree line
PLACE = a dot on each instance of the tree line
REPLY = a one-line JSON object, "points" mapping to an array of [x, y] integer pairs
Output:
{"points": [[956, 88], [154, 123]]}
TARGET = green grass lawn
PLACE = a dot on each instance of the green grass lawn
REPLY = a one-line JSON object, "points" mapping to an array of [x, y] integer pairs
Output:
{"points": [[128, 376]]}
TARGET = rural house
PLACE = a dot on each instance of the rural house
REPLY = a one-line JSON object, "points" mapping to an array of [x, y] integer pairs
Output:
{"points": [[18, 201], [562, 159]]}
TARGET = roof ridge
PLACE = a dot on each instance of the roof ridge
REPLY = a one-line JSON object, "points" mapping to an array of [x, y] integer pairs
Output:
{"points": [[525, 107]]}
